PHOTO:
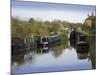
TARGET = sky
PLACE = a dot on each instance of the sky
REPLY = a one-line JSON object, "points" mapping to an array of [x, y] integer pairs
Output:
{"points": [[51, 11]]}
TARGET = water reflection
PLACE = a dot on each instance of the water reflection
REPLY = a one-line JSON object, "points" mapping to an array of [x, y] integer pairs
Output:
{"points": [[81, 48], [53, 59], [49, 62], [28, 57], [57, 51], [18, 59]]}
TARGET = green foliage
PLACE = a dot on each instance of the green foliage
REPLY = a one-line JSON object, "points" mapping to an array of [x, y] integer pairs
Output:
{"points": [[34, 27], [88, 30]]}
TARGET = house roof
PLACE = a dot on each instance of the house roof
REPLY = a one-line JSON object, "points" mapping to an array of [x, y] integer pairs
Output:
{"points": [[91, 18]]}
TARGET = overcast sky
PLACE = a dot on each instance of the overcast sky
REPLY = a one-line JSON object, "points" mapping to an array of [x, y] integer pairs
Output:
{"points": [[51, 11]]}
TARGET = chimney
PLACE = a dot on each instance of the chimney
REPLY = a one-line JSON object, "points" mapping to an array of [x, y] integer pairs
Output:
{"points": [[92, 14], [88, 15]]}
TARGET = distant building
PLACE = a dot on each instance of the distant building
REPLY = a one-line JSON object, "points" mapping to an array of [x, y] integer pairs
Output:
{"points": [[90, 21]]}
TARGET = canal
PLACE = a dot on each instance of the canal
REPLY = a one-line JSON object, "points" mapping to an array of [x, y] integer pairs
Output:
{"points": [[55, 59]]}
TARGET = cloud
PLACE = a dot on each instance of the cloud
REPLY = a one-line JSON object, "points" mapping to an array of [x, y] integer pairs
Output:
{"points": [[71, 16]]}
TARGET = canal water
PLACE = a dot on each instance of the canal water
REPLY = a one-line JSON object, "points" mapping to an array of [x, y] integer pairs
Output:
{"points": [[56, 59]]}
